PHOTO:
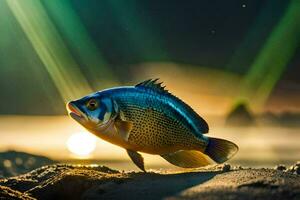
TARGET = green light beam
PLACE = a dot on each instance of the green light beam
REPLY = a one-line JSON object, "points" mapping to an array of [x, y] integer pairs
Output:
{"points": [[50, 48], [273, 58], [70, 26], [18, 60], [247, 50]]}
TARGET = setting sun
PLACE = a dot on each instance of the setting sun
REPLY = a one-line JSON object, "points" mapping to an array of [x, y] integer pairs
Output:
{"points": [[81, 144]]}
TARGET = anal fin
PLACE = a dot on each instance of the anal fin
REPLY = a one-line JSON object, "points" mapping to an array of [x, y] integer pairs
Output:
{"points": [[187, 159], [137, 159]]}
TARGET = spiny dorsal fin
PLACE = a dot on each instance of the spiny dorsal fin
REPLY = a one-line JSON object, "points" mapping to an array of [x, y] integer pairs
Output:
{"points": [[152, 84]]}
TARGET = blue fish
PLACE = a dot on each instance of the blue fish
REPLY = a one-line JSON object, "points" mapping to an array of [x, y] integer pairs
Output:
{"points": [[147, 118]]}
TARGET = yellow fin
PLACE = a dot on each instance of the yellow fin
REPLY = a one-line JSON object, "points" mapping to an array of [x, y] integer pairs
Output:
{"points": [[187, 159], [123, 128]]}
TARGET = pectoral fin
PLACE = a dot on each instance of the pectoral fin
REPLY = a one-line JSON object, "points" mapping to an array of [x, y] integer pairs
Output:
{"points": [[187, 159], [123, 128], [137, 159]]}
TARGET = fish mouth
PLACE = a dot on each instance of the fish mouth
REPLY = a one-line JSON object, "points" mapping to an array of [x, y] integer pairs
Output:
{"points": [[75, 112]]}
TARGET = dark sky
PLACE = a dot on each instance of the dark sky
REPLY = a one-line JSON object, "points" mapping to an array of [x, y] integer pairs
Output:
{"points": [[212, 33], [206, 32]]}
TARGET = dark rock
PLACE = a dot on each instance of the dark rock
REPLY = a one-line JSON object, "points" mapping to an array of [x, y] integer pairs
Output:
{"points": [[287, 119], [13, 163], [280, 167], [226, 167], [240, 116], [295, 168]]}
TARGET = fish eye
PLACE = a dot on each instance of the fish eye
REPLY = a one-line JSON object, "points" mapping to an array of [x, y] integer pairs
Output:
{"points": [[92, 104]]}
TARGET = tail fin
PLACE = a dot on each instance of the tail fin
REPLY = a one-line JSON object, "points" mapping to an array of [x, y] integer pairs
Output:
{"points": [[220, 150]]}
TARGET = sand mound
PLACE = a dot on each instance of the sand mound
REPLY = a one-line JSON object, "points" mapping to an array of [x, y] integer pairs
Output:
{"points": [[99, 182]]}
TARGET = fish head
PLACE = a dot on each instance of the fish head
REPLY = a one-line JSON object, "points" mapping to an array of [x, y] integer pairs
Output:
{"points": [[95, 112]]}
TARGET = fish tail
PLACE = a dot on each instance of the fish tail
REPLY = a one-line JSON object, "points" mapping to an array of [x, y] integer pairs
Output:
{"points": [[220, 150]]}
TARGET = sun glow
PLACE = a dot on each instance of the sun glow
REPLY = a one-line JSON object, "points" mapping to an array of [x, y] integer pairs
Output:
{"points": [[81, 144]]}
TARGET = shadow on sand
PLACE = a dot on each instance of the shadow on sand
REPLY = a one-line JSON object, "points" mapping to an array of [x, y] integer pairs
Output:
{"points": [[158, 186]]}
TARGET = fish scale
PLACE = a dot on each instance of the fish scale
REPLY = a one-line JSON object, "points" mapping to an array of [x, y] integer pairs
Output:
{"points": [[165, 103], [155, 132]]}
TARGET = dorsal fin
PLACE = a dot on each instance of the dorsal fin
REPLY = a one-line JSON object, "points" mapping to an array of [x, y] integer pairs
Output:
{"points": [[152, 84]]}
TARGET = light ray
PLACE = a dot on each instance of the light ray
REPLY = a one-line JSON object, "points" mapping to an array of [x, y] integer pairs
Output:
{"points": [[273, 58], [50, 47], [70, 26], [267, 18]]}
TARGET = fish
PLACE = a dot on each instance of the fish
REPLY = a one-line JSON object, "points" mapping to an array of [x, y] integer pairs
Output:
{"points": [[147, 118]]}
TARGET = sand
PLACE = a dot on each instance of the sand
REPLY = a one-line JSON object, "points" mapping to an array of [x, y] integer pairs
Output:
{"points": [[99, 182]]}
